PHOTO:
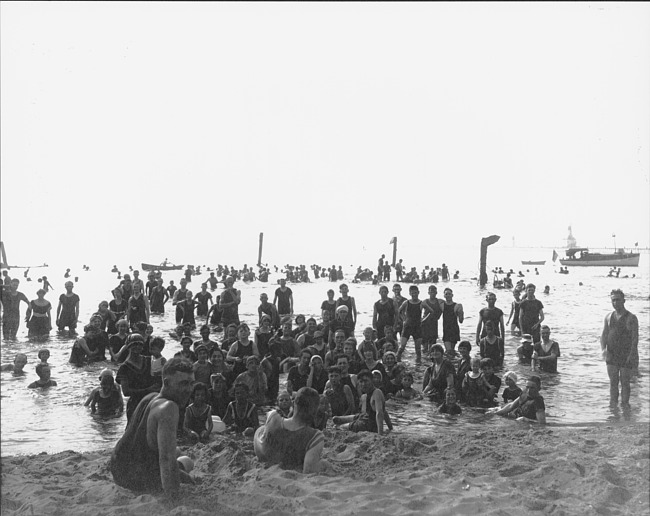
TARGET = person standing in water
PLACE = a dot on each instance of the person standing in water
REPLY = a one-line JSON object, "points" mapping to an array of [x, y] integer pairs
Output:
{"points": [[283, 299], [531, 314], [452, 316], [619, 342], [67, 313], [11, 299], [229, 303]]}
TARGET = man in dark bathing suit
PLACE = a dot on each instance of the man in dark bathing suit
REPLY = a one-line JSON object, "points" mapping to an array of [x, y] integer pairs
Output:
{"points": [[145, 458], [619, 342]]}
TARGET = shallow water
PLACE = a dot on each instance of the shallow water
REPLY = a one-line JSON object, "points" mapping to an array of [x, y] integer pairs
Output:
{"points": [[54, 420]]}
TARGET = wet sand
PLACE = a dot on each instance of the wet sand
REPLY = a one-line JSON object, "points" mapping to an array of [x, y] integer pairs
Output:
{"points": [[514, 469]]}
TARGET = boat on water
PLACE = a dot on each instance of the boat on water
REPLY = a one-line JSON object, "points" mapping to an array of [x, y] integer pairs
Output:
{"points": [[582, 257], [533, 262], [165, 266]]}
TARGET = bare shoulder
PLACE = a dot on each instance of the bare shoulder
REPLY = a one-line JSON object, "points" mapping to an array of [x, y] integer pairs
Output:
{"points": [[163, 410]]}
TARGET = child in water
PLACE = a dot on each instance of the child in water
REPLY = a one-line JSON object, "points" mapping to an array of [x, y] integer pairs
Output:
{"points": [[241, 416], [450, 406], [43, 372], [106, 400], [20, 361], [198, 415], [491, 382], [408, 392], [512, 391], [473, 390], [285, 405], [44, 355]]}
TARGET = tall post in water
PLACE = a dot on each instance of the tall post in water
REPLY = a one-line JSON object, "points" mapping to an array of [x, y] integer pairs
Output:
{"points": [[4, 262], [394, 242], [485, 242], [259, 254]]}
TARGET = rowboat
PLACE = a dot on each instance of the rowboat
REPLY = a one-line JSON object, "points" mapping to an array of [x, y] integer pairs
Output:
{"points": [[533, 262], [582, 257], [161, 267]]}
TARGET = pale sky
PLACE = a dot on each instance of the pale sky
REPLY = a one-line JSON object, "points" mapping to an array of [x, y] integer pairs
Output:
{"points": [[179, 128]]}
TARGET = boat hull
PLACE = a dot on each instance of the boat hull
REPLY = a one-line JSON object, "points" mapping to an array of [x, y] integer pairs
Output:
{"points": [[628, 260], [151, 267]]}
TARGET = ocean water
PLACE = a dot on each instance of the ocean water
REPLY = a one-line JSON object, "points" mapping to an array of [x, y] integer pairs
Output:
{"points": [[54, 420]]}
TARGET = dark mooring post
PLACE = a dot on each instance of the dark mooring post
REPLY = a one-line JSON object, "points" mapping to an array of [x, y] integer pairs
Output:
{"points": [[394, 242], [485, 242], [259, 254]]}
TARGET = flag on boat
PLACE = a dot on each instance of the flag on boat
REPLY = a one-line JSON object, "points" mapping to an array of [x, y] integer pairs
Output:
{"points": [[393, 240], [554, 255]]}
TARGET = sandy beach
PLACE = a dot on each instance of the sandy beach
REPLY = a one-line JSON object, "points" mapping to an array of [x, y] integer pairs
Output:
{"points": [[514, 469]]}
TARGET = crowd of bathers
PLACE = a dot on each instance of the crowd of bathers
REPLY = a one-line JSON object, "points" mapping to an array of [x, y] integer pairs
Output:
{"points": [[240, 372]]}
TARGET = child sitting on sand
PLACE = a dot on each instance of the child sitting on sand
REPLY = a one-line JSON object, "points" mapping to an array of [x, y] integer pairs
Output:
{"points": [[285, 405], [512, 391], [198, 415], [408, 392], [106, 400], [241, 416], [43, 372], [202, 368], [20, 361], [450, 406], [218, 396]]}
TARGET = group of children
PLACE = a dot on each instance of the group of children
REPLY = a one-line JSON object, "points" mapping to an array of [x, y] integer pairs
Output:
{"points": [[42, 369]]}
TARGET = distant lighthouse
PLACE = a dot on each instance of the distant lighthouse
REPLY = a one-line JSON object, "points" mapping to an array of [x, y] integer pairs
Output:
{"points": [[571, 242]]}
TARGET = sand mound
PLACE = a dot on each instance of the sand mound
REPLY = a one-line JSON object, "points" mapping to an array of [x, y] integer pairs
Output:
{"points": [[515, 469]]}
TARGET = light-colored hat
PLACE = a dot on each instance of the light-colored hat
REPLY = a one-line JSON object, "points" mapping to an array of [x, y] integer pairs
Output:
{"points": [[526, 337], [512, 375], [318, 334], [342, 308]]}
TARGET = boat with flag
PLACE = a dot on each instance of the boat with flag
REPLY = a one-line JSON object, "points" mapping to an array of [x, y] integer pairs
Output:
{"points": [[583, 257]]}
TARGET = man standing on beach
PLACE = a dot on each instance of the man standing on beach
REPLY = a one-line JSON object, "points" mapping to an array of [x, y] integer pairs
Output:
{"points": [[145, 458], [619, 343]]}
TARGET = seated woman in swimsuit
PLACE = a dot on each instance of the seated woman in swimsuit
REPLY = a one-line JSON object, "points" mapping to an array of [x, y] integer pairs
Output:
{"points": [[527, 407], [293, 443]]}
